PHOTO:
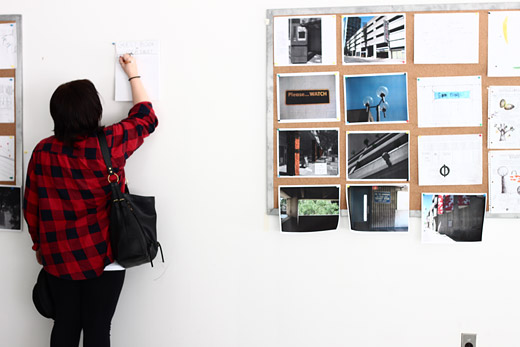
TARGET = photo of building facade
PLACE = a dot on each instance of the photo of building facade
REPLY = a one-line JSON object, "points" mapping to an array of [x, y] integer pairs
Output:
{"points": [[458, 217], [378, 207], [308, 152], [374, 39]]}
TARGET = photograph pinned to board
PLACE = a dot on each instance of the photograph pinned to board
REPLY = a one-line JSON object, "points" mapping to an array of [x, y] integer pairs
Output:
{"points": [[450, 160], [378, 208], [308, 97], [377, 155], [504, 44], [504, 117], [308, 152], [305, 40], [6, 100], [374, 39], [452, 217], [7, 144], [146, 54], [376, 98], [309, 208], [446, 38], [8, 46], [10, 208], [504, 181], [449, 101]]}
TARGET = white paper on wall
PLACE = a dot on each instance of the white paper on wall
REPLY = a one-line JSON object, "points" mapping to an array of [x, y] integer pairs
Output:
{"points": [[8, 46], [446, 38], [504, 181], [449, 101], [6, 100], [450, 160], [146, 54], [504, 117], [504, 43], [7, 158]]}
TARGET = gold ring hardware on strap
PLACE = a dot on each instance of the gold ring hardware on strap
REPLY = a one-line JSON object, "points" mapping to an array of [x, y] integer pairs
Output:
{"points": [[113, 174]]}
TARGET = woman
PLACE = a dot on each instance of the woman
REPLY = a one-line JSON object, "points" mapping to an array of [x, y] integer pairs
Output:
{"points": [[66, 206]]}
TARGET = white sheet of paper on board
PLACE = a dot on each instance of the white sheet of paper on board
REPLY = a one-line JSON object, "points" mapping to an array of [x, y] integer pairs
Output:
{"points": [[504, 117], [449, 101], [504, 181], [146, 54], [7, 158], [8, 46], [450, 160], [431, 33], [6, 100], [504, 44]]}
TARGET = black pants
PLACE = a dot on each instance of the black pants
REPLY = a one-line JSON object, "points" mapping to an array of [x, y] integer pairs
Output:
{"points": [[87, 305]]}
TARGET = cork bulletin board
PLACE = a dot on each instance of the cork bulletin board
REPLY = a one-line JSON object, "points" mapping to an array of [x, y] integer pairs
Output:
{"points": [[11, 151], [333, 63]]}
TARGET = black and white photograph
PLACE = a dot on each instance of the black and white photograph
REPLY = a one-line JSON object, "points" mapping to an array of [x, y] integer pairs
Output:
{"points": [[308, 97], [376, 98], [449, 218], [309, 208], [304, 40], [378, 208], [308, 153], [10, 208], [374, 39], [378, 155]]}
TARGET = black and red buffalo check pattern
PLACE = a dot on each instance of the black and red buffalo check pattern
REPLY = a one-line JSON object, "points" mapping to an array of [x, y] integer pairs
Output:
{"points": [[66, 199]]}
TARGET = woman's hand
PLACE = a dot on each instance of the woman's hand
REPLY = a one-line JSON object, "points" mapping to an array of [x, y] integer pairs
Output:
{"points": [[39, 256], [128, 64]]}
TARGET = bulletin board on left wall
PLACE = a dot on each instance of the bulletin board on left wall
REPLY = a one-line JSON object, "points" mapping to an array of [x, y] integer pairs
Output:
{"points": [[11, 143]]}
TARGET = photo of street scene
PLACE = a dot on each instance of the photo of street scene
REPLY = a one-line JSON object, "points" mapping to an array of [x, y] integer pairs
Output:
{"points": [[309, 208], [376, 98], [308, 153], [374, 39], [10, 208], [449, 218], [378, 156], [305, 97], [375, 208]]}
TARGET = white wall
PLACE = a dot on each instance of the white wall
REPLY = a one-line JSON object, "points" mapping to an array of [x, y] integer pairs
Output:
{"points": [[231, 279]]}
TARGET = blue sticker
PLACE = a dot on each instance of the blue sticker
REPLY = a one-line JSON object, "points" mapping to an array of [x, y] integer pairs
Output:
{"points": [[452, 95]]}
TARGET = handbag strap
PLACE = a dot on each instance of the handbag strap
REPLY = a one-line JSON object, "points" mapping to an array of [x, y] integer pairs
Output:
{"points": [[106, 156]]}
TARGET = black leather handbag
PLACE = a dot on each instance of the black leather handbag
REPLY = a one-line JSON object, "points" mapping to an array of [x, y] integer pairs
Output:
{"points": [[41, 296], [133, 220]]}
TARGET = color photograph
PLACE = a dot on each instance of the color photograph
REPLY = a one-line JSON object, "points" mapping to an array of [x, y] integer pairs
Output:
{"points": [[378, 208], [309, 208], [374, 39], [449, 218], [307, 97], [309, 153], [376, 98]]}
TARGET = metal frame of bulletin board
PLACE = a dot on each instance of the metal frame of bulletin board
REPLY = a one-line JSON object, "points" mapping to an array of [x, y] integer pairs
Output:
{"points": [[11, 141], [332, 64]]}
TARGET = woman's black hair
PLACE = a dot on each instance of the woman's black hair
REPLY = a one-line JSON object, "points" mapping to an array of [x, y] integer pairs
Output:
{"points": [[76, 110]]}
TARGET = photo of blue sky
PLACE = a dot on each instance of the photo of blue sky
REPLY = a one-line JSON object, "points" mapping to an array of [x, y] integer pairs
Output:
{"points": [[359, 87]]}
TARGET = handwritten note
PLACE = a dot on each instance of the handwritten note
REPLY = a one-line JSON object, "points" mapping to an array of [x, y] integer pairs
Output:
{"points": [[146, 54]]}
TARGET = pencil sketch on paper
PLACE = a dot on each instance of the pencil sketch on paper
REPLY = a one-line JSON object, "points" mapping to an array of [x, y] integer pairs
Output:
{"points": [[6, 100], [8, 45], [7, 158], [504, 181], [504, 117]]}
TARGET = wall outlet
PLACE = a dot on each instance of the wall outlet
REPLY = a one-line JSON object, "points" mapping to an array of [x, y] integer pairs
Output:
{"points": [[468, 340]]}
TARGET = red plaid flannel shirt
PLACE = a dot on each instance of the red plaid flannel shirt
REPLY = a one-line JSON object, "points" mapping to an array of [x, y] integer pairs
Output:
{"points": [[66, 199]]}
